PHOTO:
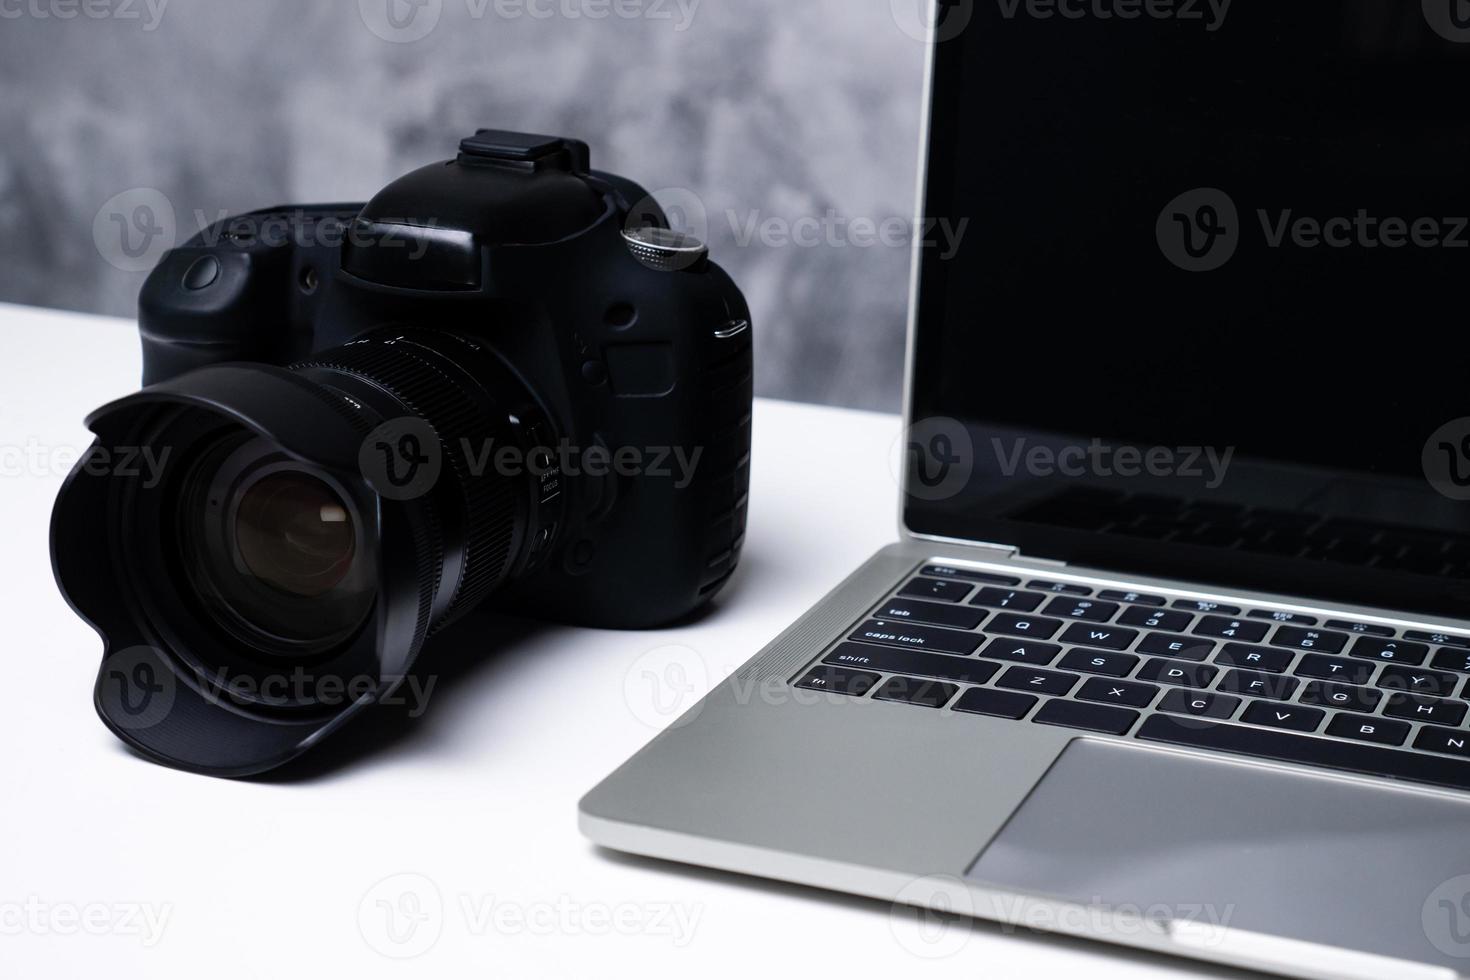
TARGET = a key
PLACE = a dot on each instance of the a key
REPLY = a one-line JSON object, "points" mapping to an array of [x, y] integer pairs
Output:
{"points": [[1438, 639], [1280, 616], [1224, 627], [936, 589], [1008, 599], [1171, 621], [1255, 658], [1035, 627], [1177, 673], [1107, 637], [1389, 651], [912, 637], [1206, 606], [1097, 662], [1200, 704], [1087, 717], [1344, 696], [1118, 692], [1021, 651], [1418, 680], [1452, 660], [1362, 629], [1444, 740], [1431, 711], [1366, 728], [963, 670], [1178, 647], [1059, 587], [932, 613], [911, 690], [1089, 610], [1300, 638], [949, 571], [839, 680], [1272, 686], [1335, 669], [1287, 716], [997, 704], [1136, 598], [1038, 681]]}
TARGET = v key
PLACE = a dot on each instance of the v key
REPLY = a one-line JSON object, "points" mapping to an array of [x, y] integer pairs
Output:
{"points": [[1293, 718]]}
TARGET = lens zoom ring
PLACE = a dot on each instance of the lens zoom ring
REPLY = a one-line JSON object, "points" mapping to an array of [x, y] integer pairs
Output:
{"points": [[439, 397]]}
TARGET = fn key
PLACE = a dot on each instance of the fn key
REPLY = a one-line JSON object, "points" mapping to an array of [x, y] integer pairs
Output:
{"points": [[1088, 717]]}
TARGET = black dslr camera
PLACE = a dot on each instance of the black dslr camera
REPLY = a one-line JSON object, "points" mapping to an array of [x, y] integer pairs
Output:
{"points": [[503, 382]]}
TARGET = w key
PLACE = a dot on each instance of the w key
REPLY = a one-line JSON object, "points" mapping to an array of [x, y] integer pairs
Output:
{"points": [[1107, 637]]}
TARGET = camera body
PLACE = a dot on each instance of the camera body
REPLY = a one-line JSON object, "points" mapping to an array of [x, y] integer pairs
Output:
{"points": [[502, 383], [638, 373]]}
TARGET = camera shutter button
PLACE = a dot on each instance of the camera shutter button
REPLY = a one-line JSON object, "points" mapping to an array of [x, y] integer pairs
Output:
{"points": [[202, 274], [663, 250]]}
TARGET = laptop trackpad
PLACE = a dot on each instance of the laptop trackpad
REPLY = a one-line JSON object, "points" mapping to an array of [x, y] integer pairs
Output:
{"points": [[1266, 850]]}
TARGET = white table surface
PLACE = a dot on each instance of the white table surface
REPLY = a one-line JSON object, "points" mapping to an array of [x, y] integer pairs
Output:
{"points": [[113, 867]]}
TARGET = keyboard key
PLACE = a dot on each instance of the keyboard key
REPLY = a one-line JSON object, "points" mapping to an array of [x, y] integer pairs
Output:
{"points": [[1452, 660], [1443, 740], [1288, 716], [1279, 616], [1136, 598], [1097, 662], [1334, 669], [1089, 610], [1200, 704], [937, 589], [1008, 599], [1206, 606], [949, 571], [912, 637], [1087, 717], [1059, 587], [1178, 647], [1255, 658], [1308, 750], [1232, 629], [933, 613], [1389, 651], [1118, 692], [1418, 680], [1021, 651], [1345, 696], [960, 669], [1431, 711], [1107, 637], [997, 704], [839, 680], [1366, 728], [1438, 639], [1178, 674], [1320, 641], [910, 690], [1272, 686], [1363, 629], [1039, 681], [1156, 619], [1037, 627]]}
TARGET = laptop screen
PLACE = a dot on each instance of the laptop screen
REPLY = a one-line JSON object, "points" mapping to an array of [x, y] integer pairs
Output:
{"points": [[1204, 317]]}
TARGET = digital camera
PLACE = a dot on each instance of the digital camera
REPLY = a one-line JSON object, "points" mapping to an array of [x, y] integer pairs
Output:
{"points": [[504, 382]]}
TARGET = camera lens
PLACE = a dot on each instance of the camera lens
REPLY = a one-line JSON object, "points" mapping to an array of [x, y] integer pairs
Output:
{"points": [[273, 551]]}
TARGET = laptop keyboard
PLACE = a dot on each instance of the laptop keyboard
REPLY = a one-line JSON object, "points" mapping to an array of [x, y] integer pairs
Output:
{"points": [[1192, 672]]}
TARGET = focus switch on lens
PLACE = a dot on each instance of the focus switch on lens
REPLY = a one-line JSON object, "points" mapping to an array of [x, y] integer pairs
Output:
{"points": [[663, 250]]}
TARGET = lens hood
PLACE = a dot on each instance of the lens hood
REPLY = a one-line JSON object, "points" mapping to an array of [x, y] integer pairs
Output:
{"points": [[167, 686]]}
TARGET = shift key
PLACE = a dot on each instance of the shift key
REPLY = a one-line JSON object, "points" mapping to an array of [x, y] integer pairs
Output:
{"points": [[912, 637], [912, 662]]}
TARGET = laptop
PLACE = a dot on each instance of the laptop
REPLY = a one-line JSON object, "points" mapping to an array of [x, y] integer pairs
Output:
{"points": [[1173, 650]]}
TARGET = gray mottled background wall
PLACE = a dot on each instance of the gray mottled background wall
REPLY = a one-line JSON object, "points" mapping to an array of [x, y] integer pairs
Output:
{"points": [[787, 129]]}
